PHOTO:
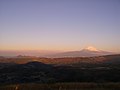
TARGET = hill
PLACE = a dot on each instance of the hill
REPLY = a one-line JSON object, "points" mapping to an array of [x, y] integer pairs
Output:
{"points": [[50, 70], [29, 72]]}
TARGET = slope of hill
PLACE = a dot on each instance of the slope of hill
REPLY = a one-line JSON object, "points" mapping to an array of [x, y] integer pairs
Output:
{"points": [[29, 72], [81, 69]]}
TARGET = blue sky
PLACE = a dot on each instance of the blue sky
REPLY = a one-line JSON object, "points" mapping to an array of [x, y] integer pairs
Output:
{"points": [[59, 24]]}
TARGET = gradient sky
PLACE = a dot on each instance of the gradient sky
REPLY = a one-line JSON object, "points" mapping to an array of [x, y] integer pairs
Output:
{"points": [[59, 24]]}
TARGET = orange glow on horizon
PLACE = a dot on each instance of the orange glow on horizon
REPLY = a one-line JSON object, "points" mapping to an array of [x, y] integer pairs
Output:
{"points": [[51, 48]]}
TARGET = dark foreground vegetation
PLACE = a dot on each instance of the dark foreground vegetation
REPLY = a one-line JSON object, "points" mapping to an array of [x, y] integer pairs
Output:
{"points": [[91, 69], [63, 86], [96, 71]]}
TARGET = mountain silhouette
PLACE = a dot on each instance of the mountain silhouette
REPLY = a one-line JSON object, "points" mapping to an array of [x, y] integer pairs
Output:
{"points": [[87, 52]]}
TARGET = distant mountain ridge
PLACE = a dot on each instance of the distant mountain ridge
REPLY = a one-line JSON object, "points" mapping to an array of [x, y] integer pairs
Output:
{"points": [[87, 52]]}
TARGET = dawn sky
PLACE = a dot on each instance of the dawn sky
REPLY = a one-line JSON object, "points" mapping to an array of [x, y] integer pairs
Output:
{"points": [[59, 24]]}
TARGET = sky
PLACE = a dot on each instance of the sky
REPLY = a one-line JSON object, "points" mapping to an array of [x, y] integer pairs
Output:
{"points": [[59, 24]]}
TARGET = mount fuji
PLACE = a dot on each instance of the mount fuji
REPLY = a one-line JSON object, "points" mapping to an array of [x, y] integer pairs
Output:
{"points": [[87, 52]]}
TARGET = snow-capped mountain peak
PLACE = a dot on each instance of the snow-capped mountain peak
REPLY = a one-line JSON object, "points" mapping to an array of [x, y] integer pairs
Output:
{"points": [[90, 48], [87, 52]]}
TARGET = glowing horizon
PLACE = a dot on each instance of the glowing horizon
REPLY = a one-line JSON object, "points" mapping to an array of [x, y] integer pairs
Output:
{"points": [[63, 25], [61, 50]]}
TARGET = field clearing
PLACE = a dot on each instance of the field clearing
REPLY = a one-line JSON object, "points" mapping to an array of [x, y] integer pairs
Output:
{"points": [[63, 86]]}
